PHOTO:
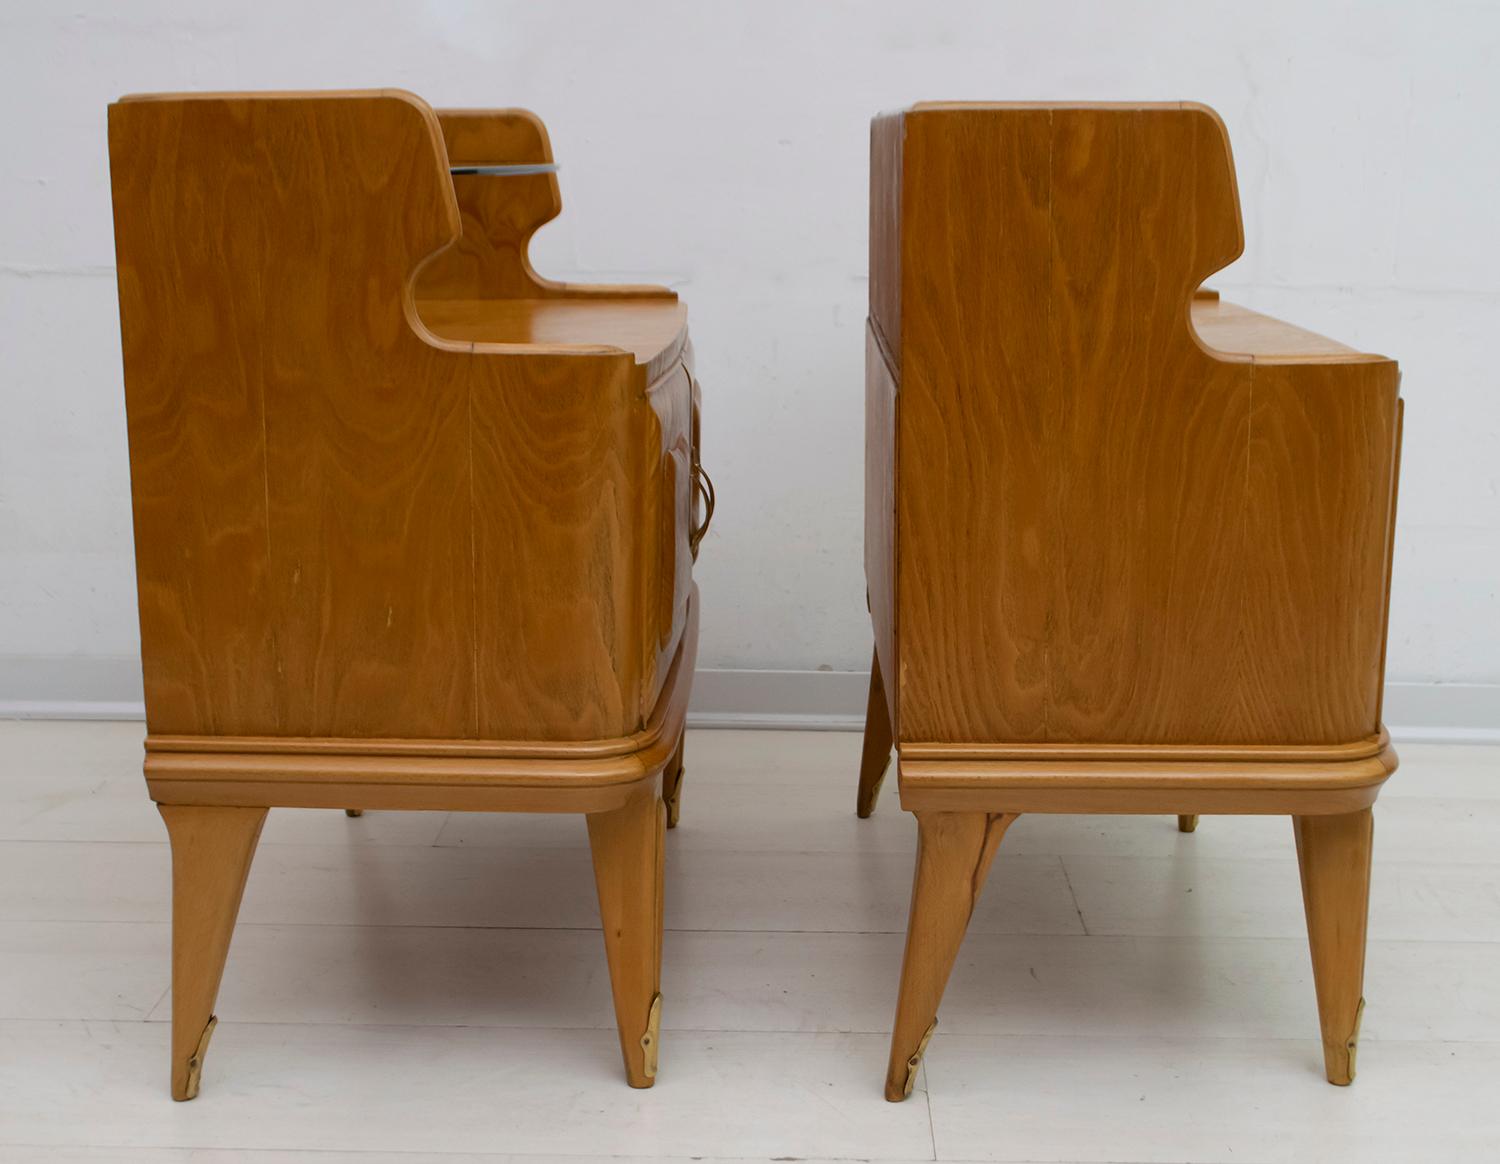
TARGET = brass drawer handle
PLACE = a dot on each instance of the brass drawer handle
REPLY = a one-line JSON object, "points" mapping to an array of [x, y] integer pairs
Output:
{"points": [[704, 486]]}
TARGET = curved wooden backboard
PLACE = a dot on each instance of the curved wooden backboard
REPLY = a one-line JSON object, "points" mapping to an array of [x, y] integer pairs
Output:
{"points": [[501, 213]]}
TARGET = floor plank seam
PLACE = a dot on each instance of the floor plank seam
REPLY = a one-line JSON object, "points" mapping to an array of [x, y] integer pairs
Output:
{"points": [[1083, 1036], [1078, 909]]}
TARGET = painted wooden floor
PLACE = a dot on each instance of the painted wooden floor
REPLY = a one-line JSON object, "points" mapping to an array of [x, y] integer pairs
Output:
{"points": [[411, 987]]}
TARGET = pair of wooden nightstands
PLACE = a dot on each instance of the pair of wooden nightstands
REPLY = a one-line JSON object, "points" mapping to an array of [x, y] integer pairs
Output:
{"points": [[415, 527]]}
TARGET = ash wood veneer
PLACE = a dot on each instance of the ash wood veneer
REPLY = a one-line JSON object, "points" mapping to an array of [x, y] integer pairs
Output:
{"points": [[414, 526], [1127, 547]]}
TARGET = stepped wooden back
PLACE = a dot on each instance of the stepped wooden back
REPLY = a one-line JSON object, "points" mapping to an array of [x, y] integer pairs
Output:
{"points": [[345, 527], [1085, 526]]}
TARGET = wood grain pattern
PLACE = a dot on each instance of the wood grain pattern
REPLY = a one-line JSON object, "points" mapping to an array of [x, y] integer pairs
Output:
{"points": [[1321, 480], [1109, 532], [500, 214], [971, 473], [390, 554], [1139, 433], [954, 853], [387, 533], [447, 776], [1333, 854], [887, 134], [1128, 546], [1230, 329], [654, 331], [1308, 788], [666, 513], [630, 908], [211, 853], [1361, 749]]}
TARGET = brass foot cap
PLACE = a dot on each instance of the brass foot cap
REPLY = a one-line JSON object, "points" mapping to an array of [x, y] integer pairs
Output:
{"points": [[1339, 1058], [903, 1077], [195, 1061], [651, 1040]]}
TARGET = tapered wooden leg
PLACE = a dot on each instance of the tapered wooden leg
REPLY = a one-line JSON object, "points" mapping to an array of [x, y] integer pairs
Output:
{"points": [[211, 853], [878, 739], [354, 812], [1187, 824], [671, 783], [1334, 855], [628, 845], [954, 851]]}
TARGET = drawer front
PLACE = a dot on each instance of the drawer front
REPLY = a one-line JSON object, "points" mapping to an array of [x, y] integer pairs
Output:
{"points": [[668, 530], [702, 485]]}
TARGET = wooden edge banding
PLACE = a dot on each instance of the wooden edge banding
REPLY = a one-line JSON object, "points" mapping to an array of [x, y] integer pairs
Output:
{"points": [[479, 136], [872, 325], [1372, 745], [455, 772], [483, 126], [415, 796], [663, 368], [420, 774], [1150, 801], [431, 749], [1308, 787]]}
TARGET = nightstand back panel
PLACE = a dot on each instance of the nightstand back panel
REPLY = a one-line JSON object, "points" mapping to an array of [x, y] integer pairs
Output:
{"points": [[1107, 532]]}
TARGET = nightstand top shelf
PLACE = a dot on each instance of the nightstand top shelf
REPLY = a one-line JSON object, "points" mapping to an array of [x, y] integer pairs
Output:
{"points": [[652, 330]]}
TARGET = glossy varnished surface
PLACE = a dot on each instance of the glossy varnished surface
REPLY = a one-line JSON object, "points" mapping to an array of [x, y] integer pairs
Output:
{"points": [[1234, 330], [500, 214], [349, 527], [1104, 531], [442, 775], [652, 331], [384, 562], [1128, 547]]}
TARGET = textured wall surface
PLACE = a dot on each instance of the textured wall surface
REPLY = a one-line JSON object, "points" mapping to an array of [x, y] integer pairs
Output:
{"points": [[722, 148]]}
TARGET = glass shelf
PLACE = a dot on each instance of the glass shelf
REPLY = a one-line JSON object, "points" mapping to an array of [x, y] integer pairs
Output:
{"points": [[511, 170]]}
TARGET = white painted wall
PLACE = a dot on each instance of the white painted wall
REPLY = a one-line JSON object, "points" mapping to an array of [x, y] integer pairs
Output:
{"points": [[722, 148]]}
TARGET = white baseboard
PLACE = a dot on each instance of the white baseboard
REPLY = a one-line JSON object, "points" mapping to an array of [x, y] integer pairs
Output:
{"points": [[71, 687], [809, 700], [39, 687], [835, 701]]}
